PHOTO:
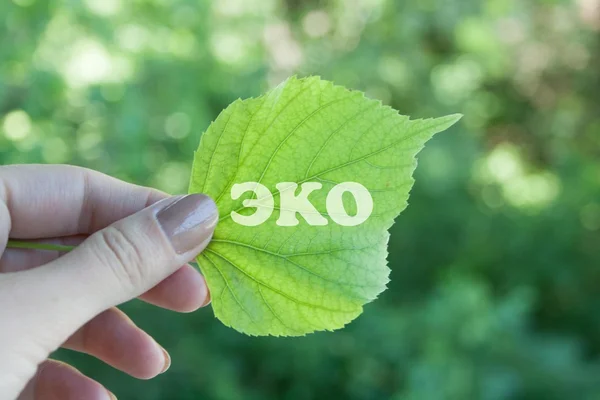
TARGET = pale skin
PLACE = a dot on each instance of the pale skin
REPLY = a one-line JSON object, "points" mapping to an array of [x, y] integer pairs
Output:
{"points": [[127, 246]]}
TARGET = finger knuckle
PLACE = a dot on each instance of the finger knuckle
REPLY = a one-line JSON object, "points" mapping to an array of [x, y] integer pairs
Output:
{"points": [[118, 252]]}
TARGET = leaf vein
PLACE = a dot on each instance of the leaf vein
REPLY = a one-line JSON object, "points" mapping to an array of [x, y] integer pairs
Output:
{"points": [[287, 296]]}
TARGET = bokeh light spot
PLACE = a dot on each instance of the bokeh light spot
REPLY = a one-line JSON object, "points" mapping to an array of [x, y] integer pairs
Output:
{"points": [[455, 82], [104, 8], [88, 145], [55, 151], [284, 50], [173, 177], [16, 125], [24, 3], [504, 167], [504, 163], [228, 48], [316, 23], [133, 37], [394, 71], [89, 63], [178, 125]]}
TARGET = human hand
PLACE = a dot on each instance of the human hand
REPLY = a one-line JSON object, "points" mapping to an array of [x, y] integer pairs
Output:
{"points": [[139, 238]]}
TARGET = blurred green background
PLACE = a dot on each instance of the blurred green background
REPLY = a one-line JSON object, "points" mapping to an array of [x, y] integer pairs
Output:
{"points": [[495, 290]]}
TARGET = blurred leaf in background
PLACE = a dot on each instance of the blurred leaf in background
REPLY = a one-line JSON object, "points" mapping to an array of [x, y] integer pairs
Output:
{"points": [[495, 265]]}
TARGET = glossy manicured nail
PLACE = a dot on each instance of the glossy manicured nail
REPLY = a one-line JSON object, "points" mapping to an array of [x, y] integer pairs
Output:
{"points": [[189, 221]]}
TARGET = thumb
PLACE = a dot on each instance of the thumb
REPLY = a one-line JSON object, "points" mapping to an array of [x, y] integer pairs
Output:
{"points": [[114, 265]]}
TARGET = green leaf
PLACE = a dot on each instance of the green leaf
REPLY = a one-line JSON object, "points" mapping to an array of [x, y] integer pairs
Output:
{"points": [[289, 281]]}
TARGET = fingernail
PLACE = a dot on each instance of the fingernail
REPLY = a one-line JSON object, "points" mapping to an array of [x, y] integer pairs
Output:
{"points": [[206, 299], [189, 221], [111, 396], [167, 361]]}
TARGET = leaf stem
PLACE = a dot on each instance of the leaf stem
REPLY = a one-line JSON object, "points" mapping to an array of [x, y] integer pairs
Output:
{"points": [[18, 244]]}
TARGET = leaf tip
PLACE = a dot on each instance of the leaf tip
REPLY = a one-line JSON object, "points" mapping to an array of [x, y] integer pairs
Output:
{"points": [[452, 119]]}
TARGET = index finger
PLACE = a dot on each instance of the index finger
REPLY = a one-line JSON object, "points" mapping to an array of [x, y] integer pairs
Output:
{"points": [[38, 201]]}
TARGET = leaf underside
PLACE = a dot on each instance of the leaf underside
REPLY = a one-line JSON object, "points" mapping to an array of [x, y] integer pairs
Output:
{"points": [[290, 281]]}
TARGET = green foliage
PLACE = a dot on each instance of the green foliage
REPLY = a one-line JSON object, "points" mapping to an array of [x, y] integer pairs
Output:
{"points": [[289, 281], [494, 266]]}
